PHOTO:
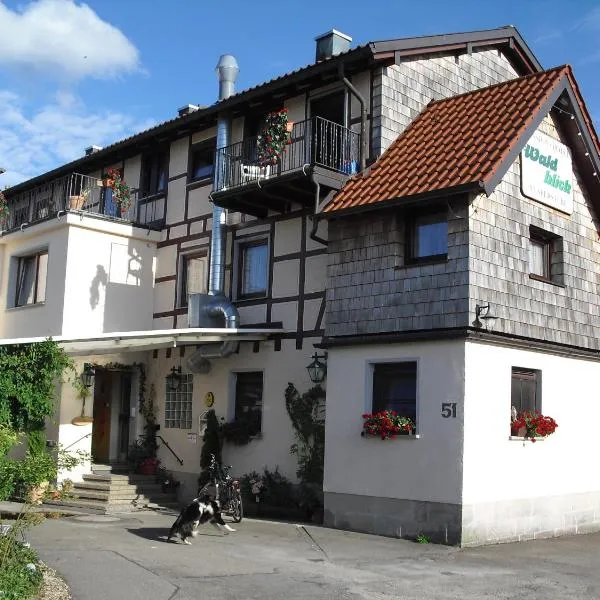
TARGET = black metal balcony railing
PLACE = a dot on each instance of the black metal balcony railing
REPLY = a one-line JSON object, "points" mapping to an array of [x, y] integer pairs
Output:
{"points": [[82, 193], [315, 141]]}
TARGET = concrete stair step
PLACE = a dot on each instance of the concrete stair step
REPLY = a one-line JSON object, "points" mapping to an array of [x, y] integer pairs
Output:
{"points": [[103, 486], [120, 479], [118, 497], [114, 468]]}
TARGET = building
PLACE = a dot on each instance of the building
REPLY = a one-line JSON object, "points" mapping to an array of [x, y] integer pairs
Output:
{"points": [[387, 232]]}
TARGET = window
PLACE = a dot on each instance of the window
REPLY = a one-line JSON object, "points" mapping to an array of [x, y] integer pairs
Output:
{"points": [[203, 160], [428, 237], [248, 400], [194, 274], [154, 173], [31, 279], [525, 390], [178, 405], [395, 388], [253, 275], [545, 256]]}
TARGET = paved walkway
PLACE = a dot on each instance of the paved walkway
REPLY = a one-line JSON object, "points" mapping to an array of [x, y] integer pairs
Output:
{"points": [[128, 557]]}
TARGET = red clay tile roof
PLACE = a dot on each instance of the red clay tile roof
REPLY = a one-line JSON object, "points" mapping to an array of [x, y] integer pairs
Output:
{"points": [[457, 142]]}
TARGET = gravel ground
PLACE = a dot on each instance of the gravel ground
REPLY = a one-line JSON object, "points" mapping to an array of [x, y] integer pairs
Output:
{"points": [[53, 587]]}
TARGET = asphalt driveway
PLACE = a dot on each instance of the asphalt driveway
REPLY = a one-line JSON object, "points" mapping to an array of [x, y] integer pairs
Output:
{"points": [[129, 558]]}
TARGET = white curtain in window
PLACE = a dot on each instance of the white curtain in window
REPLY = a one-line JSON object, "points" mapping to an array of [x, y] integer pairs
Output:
{"points": [[41, 277], [255, 271], [196, 275], [536, 258]]}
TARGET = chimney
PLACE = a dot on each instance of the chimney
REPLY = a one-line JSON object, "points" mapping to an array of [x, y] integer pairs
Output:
{"points": [[92, 150], [187, 109], [331, 43]]}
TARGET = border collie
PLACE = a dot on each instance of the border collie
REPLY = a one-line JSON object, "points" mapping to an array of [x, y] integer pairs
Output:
{"points": [[198, 512]]}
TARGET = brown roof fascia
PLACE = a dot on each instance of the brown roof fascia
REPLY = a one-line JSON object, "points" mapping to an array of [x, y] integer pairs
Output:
{"points": [[421, 199]]}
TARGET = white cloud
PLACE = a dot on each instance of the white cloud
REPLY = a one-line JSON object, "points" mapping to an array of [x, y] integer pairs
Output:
{"points": [[63, 39], [33, 142]]}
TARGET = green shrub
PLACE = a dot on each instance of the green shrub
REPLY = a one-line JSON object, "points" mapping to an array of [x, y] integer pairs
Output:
{"points": [[8, 477], [35, 468], [36, 441], [20, 575], [8, 439]]}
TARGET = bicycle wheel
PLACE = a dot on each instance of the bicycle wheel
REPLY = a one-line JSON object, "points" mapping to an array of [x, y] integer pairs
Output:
{"points": [[237, 508]]}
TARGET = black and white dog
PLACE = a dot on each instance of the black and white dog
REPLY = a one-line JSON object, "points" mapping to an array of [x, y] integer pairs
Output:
{"points": [[198, 512]]}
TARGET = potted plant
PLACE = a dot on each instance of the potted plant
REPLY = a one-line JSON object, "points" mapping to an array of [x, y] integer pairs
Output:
{"points": [[274, 137], [386, 424], [3, 210], [112, 179], [532, 425]]}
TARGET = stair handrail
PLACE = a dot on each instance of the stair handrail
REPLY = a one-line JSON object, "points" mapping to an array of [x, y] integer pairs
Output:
{"points": [[170, 449], [77, 441]]}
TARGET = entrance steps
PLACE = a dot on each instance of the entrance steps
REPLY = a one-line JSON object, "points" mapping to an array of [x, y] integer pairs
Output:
{"points": [[111, 488]]}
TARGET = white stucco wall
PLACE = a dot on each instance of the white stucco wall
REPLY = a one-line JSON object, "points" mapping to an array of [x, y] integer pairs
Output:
{"points": [[40, 319], [426, 469], [109, 281], [496, 469], [273, 449]]}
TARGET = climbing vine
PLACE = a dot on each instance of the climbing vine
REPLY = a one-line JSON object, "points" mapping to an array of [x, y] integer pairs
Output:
{"points": [[309, 429], [28, 375]]}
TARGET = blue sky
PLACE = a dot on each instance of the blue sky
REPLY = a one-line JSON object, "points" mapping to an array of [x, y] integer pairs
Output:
{"points": [[75, 74]]}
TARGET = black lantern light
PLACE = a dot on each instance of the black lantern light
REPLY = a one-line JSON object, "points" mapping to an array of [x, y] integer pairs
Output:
{"points": [[174, 379], [483, 315], [87, 377], [317, 370]]}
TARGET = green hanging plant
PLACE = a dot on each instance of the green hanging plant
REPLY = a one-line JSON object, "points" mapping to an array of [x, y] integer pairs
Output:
{"points": [[3, 210], [274, 137]]}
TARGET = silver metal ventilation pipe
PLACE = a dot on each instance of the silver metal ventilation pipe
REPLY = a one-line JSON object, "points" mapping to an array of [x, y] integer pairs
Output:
{"points": [[217, 307]]}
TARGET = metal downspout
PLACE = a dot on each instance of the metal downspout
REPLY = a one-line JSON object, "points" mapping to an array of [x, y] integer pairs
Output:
{"points": [[315, 217]]}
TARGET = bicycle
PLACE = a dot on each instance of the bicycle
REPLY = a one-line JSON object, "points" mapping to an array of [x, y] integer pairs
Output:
{"points": [[226, 490]]}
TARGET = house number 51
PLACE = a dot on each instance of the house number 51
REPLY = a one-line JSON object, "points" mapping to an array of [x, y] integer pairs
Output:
{"points": [[449, 410]]}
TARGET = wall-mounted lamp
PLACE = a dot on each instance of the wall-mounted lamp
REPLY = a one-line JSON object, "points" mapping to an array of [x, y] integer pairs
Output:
{"points": [[484, 316], [317, 370], [174, 379], [88, 375]]}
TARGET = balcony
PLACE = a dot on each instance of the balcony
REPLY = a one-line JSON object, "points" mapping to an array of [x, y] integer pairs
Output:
{"points": [[81, 194], [318, 147]]}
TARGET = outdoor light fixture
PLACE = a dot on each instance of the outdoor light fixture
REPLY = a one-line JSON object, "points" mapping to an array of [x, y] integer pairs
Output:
{"points": [[484, 316], [174, 379], [88, 375], [317, 370]]}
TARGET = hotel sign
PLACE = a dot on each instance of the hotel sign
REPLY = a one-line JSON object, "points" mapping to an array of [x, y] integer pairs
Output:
{"points": [[547, 172]]}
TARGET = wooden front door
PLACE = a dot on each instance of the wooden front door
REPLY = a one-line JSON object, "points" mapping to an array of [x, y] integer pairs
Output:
{"points": [[101, 427]]}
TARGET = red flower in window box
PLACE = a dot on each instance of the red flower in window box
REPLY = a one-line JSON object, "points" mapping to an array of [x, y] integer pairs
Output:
{"points": [[386, 424], [535, 425]]}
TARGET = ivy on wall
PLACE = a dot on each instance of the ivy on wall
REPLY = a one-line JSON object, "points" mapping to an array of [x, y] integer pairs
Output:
{"points": [[28, 376]]}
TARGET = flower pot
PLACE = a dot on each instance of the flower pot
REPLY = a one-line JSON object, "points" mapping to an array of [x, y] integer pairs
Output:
{"points": [[76, 202], [518, 431], [148, 467], [35, 494]]}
